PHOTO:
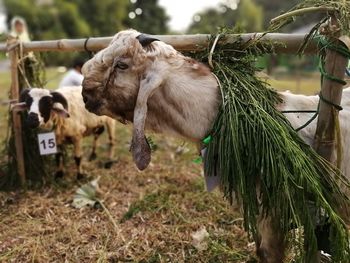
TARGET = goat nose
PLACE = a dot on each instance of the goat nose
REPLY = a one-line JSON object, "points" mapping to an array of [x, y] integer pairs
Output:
{"points": [[84, 94], [32, 120]]}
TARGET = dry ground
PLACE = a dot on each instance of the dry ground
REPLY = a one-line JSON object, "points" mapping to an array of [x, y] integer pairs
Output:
{"points": [[156, 211]]}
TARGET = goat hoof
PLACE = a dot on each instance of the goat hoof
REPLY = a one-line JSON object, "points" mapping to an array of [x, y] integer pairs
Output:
{"points": [[92, 157], [81, 176], [59, 175], [109, 164]]}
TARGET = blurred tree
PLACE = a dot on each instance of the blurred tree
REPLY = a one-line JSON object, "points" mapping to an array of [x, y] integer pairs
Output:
{"points": [[248, 15], [71, 19], [211, 19], [273, 8], [49, 19], [105, 17], [54, 19], [148, 17]]}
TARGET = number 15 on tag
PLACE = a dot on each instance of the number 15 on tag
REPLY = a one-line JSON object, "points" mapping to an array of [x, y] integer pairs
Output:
{"points": [[47, 143]]}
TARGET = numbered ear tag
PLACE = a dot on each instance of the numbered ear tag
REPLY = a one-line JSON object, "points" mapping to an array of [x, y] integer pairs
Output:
{"points": [[47, 143]]}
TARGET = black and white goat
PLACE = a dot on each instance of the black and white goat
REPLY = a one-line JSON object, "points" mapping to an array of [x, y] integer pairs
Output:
{"points": [[63, 111]]}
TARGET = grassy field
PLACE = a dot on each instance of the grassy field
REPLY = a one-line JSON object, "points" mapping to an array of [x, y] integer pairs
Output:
{"points": [[157, 212]]}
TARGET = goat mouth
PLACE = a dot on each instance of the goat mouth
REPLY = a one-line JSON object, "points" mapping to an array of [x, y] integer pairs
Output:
{"points": [[32, 121], [93, 106], [32, 125]]}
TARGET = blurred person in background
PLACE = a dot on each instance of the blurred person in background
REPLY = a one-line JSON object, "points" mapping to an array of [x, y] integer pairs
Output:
{"points": [[19, 29], [33, 73], [73, 77]]}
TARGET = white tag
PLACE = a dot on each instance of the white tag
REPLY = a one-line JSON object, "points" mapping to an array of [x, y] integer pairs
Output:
{"points": [[47, 143]]}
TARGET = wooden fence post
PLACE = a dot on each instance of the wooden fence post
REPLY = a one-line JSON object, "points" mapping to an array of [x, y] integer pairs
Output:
{"points": [[325, 137], [325, 141], [16, 118]]}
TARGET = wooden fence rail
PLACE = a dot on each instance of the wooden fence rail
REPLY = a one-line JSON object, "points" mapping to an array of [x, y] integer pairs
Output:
{"points": [[283, 43]]}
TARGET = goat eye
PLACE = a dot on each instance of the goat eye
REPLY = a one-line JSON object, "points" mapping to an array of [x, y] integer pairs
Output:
{"points": [[122, 65]]}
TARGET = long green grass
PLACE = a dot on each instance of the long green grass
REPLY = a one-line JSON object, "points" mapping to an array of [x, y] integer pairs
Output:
{"points": [[254, 146]]}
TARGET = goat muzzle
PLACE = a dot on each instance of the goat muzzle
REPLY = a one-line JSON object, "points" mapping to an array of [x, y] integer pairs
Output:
{"points": [[32, 120], [91, 102]]}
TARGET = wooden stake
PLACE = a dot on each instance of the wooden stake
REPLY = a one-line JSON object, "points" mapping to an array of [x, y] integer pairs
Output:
{"points": [[16, 118], [325, 137]]}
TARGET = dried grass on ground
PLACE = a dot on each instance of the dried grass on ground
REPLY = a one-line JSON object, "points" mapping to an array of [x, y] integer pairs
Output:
{"points": [[157, 212]]}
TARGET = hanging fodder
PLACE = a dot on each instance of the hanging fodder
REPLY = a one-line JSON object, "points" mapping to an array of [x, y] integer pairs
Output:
{"points": [[253, 146]]}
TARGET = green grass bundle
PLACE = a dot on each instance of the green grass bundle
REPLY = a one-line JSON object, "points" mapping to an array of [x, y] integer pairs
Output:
{"points": [[253, 143], [339, 8]]}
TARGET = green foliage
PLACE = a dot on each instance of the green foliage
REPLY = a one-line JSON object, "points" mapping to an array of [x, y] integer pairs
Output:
{"points": [[211, 19], [81, 18], [104, 17], [248, 16], [273, 8], [253, 144], [59, 19], [68, 19], [152, 20], [69, 16]]}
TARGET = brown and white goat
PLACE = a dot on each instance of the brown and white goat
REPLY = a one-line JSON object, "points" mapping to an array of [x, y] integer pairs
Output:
{"points": [[147, 82], [63, 111]]}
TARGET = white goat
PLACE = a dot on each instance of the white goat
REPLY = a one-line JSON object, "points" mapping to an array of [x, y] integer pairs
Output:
{"points": [[149, 83], [63, 111]]}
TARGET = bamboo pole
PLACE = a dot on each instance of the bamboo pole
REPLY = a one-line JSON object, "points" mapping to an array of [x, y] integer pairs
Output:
{"points": [[16, 118], [283, 43], [335, 65]]}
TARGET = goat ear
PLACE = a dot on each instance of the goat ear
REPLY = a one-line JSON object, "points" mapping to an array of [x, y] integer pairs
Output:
{"points": [[140, 148], [145, 40], [62, 112], [21, 106], [59, 98], [24, 95]]}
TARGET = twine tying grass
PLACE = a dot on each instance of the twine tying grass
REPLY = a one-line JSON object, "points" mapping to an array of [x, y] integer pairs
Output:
{"points": [[253, 146]]}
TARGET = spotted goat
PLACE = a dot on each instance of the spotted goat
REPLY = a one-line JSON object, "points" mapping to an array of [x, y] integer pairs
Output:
{"points": [[63, 112]]}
